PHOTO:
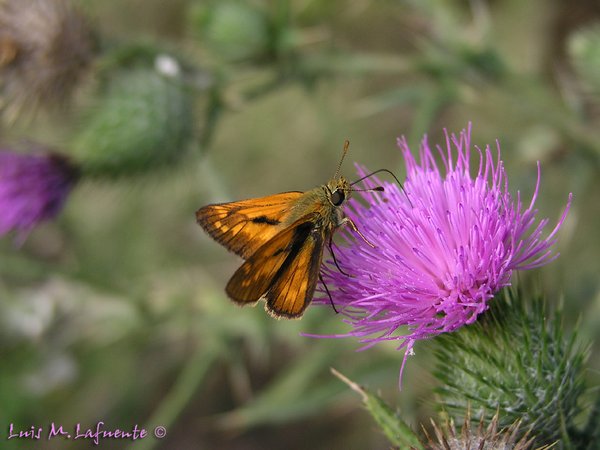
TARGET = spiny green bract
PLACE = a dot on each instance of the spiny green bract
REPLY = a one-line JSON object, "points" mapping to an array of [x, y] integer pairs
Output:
{"points": [[516, 360], [484, 437]]}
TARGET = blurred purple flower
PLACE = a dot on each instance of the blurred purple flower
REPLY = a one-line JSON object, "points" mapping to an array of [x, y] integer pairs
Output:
{"points": [[444, 247], [33, 188]]}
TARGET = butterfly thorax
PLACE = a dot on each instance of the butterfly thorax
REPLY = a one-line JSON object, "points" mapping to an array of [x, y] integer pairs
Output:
{"points": [[325, 202]]}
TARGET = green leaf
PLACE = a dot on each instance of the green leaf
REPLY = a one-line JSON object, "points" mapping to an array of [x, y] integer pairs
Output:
{"points": [[394, 428]]}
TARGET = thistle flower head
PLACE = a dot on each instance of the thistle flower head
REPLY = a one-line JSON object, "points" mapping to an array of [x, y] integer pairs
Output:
{"points": [[45, 47], [443, 247], [33, 188]]}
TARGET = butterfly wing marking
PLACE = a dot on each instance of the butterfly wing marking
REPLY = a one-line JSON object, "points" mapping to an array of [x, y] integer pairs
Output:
{"points": [[244, 226], [284, 270]]}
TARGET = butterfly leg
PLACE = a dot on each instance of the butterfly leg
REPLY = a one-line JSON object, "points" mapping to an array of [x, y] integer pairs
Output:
{"points": [[330, 244], [329, 294], [356, 230]]}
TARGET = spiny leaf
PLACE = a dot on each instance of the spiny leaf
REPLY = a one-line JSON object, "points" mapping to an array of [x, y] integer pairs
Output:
{"points": [[394, 428]]}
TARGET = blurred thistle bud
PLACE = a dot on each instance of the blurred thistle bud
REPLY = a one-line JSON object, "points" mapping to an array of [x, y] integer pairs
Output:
{"points": [[45, 48], [143, 121], [232, 30], [517, 360], [33, 188], [584, 50]]}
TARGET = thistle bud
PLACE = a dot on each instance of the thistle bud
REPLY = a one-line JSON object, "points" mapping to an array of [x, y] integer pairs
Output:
{"points": [[484, 437], [584, 50], [232, 30], [143, 121]]}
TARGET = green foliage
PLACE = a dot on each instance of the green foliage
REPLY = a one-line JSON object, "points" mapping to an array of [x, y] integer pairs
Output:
{"points": [[517, 360]]}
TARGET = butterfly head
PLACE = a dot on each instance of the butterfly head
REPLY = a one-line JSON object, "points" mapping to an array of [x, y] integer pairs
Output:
{"points": [[338, 191]]}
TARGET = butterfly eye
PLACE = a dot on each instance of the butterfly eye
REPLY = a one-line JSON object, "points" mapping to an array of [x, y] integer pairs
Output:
{"points": [[337, 197]]}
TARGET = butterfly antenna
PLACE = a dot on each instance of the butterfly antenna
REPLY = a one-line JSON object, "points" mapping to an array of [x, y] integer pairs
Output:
{"points": [[369, 175], [375, 189], [346, 147], [380, 188]]}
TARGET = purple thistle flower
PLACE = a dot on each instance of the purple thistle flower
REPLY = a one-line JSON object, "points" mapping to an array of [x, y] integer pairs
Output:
{"points": [[444, 246], [33, 188]]}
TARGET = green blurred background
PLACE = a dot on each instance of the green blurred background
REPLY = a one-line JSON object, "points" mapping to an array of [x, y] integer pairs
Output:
{"points": [[116, 311]]}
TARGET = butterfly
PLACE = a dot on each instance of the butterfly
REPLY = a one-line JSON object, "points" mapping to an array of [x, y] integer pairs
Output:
{"points": [[281, 237]]}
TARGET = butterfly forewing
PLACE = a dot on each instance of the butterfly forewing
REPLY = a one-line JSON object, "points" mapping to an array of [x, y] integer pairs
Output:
{"points": [[244, 226], [284, 270]]}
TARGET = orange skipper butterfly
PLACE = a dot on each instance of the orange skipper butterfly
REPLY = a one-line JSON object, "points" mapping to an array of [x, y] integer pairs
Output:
{"points": [[282, 238]]}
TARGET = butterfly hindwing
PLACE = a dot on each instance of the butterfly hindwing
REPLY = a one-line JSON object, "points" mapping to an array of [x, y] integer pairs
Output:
{"points": [[244, 226], [284, 269], [295, 284]]}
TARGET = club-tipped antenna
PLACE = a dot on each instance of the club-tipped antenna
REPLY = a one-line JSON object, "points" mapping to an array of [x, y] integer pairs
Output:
{"points": [[380, 188], [375, 189], [346, 147], [369, 175]]}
